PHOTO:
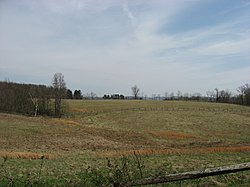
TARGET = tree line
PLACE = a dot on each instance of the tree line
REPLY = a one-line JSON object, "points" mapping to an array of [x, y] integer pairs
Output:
{"points": [[31, 99], [225, 96], [216, 95], [113, 96], [77, 94]]}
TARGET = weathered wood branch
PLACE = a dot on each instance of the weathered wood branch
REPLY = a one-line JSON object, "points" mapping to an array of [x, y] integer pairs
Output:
{"points": [[192, 174], [35, 103]]}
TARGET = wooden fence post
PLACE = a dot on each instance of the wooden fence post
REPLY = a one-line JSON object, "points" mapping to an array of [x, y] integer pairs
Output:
{"points": [[191, 174]]}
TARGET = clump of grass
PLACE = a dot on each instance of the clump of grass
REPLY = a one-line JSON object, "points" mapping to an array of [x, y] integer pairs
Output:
{"points": [[125, 169], [24, 155], [117, 172], [30, 179]]}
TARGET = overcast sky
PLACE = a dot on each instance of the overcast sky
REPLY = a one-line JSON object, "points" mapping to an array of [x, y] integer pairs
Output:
{"points": [[107, 46]]}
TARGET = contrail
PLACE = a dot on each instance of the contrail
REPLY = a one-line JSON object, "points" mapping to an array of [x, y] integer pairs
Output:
{"points": [[128, 13]]}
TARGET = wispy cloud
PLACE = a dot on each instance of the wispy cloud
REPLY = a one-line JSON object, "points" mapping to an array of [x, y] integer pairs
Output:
{"points": [[93, 44], [128, 13]]}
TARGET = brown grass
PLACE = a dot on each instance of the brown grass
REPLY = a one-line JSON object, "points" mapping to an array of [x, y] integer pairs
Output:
{"points": [[170, 134], [176, 151], [65, 122], [25, 155], [81, 110]]}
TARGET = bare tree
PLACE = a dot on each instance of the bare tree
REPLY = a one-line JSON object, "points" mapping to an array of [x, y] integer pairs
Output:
{"points": [[179, 95], [244, 93], [186, 96], [135, 91], [166, 95], [35, 103], [217, 94], [196, 96], [247, 96], [241, 90], [224, 96], [210, 95], [59, 86], [171, 96], [92, 95]]}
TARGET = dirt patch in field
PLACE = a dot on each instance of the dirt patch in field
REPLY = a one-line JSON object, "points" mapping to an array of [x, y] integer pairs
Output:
{"points": [[175, 151], [26, 155], [65, 122], [81, 110], [124, 137], [170, 134]]}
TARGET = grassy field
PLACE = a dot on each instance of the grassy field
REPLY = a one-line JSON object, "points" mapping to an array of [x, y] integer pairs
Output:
{"points": [[168, 136]]}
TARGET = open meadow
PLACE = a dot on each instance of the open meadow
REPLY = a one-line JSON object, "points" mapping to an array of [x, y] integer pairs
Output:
{"points": [[98, 135]]}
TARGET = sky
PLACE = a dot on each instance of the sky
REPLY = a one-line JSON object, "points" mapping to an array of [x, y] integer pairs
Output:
{"points": [[108, 46]]}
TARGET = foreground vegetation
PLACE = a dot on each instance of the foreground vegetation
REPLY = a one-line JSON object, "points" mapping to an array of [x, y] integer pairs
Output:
{"points": [[104, 142]]}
